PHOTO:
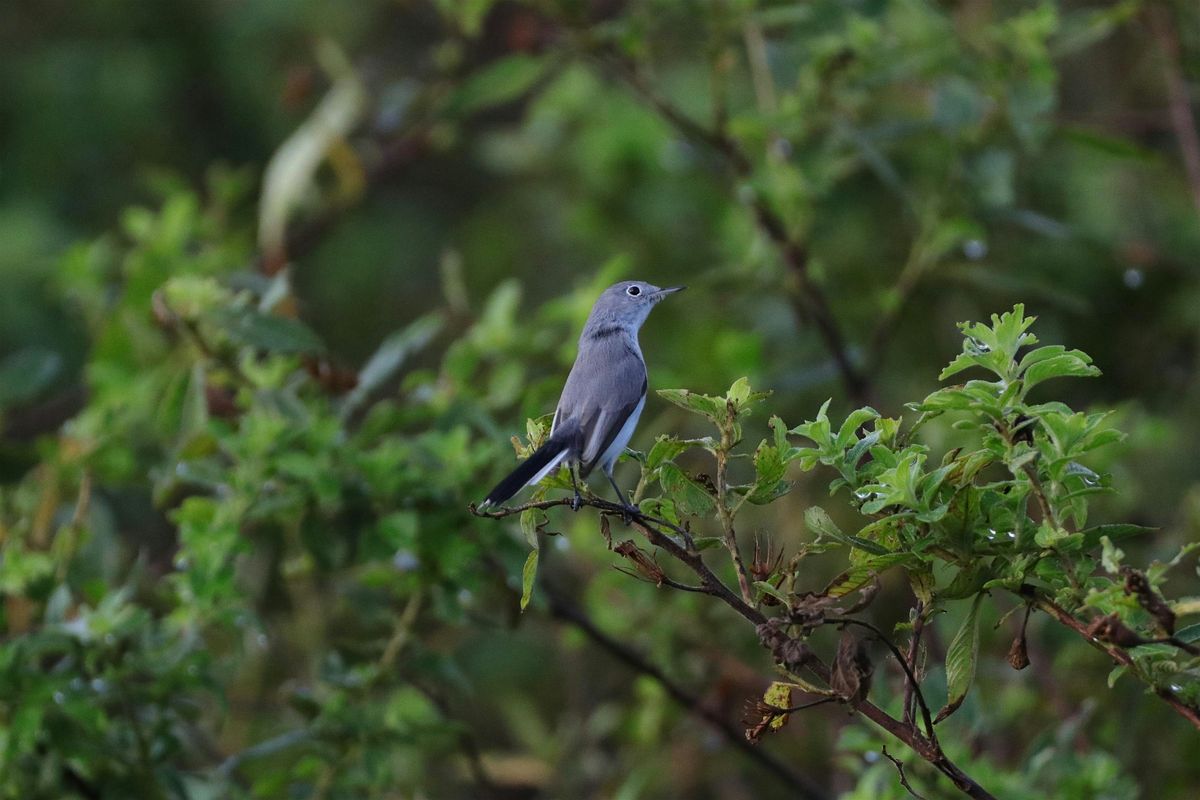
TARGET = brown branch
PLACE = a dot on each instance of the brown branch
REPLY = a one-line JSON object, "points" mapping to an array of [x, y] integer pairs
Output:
{"points": [[1178, 100], [928, 749], [1185, 710], [563, 610], [909, 735]]}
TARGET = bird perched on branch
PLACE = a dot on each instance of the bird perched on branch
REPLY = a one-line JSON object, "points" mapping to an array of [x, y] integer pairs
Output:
{"points": [[603, 396]]}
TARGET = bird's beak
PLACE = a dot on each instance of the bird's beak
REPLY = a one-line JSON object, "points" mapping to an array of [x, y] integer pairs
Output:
{"points": [[669, 290]]}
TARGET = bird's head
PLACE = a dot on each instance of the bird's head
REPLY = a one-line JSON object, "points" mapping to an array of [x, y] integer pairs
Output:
{"points": [[627, 304]]}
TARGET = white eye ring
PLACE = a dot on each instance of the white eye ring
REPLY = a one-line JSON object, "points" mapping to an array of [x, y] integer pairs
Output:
{"points": [[633, 291]]}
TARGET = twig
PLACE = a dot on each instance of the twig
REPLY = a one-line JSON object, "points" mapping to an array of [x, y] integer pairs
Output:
{"points": [[563, 610], [812, 704], [908, 734], [1185, 710], [729, 535], [400, 633], [903, 778], [664, 581]]}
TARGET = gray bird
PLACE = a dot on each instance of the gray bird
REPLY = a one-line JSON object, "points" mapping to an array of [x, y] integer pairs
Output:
{"points": [[603, 397]]}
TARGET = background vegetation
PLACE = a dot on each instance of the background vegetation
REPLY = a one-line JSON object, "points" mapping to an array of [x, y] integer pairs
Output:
{"points": [[281, 280]]}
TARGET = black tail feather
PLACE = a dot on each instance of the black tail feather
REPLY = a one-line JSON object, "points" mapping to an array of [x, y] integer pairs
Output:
{"points": [[526, 470]]}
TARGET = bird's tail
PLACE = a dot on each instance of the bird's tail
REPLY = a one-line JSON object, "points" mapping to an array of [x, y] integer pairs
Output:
{"points": [[541, 463]]}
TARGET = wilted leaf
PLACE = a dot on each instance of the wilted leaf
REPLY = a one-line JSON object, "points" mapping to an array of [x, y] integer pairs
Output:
{"points": [[850, 678], [646, 565], [770, 711]]}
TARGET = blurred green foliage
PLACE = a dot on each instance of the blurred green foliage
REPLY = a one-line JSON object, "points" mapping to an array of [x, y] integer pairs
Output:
{"points": [[236, 558]]}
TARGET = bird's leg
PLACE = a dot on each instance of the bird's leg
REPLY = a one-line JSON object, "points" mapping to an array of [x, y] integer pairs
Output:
{"points": [[628, 508], [577, 500]]}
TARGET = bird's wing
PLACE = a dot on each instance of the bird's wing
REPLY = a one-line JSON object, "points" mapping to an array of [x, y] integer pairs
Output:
{"points": [[604, 387]]}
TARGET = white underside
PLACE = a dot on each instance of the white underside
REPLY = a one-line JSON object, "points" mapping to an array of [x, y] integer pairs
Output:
{"points": [[609, 457]]}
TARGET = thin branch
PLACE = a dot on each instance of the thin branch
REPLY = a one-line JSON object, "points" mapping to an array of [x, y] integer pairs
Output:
{"points": [[908, 734], [1185, 710], [663, 581], [903, 778], [811, 704], [563, 610], [726, 516]]}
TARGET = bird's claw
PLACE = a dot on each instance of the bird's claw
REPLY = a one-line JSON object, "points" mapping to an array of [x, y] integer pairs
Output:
{"points": [[576, 502]]}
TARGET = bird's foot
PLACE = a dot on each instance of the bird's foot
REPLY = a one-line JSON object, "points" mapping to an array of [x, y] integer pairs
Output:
{"points": [[628, 512], [577, 501]]}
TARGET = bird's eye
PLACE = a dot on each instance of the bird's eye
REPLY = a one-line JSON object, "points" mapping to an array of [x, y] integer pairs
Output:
{"points": [[633, 291]]}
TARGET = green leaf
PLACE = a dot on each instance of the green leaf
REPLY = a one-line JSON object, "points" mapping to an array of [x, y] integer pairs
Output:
{"points": [[818, 429], [1092, 537], [504, 81], [528, 576], [268, 332], [707, 542], [1189, 634], [769, 469], [665, 448], [862, 573], [767, 588], [994, 348], [848, 433], [818, 521], [960, 661], [1073, 364], [923, 584], [690, 498], [529, 525], [706, 405], [1115, 674], [1111, 556]]}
